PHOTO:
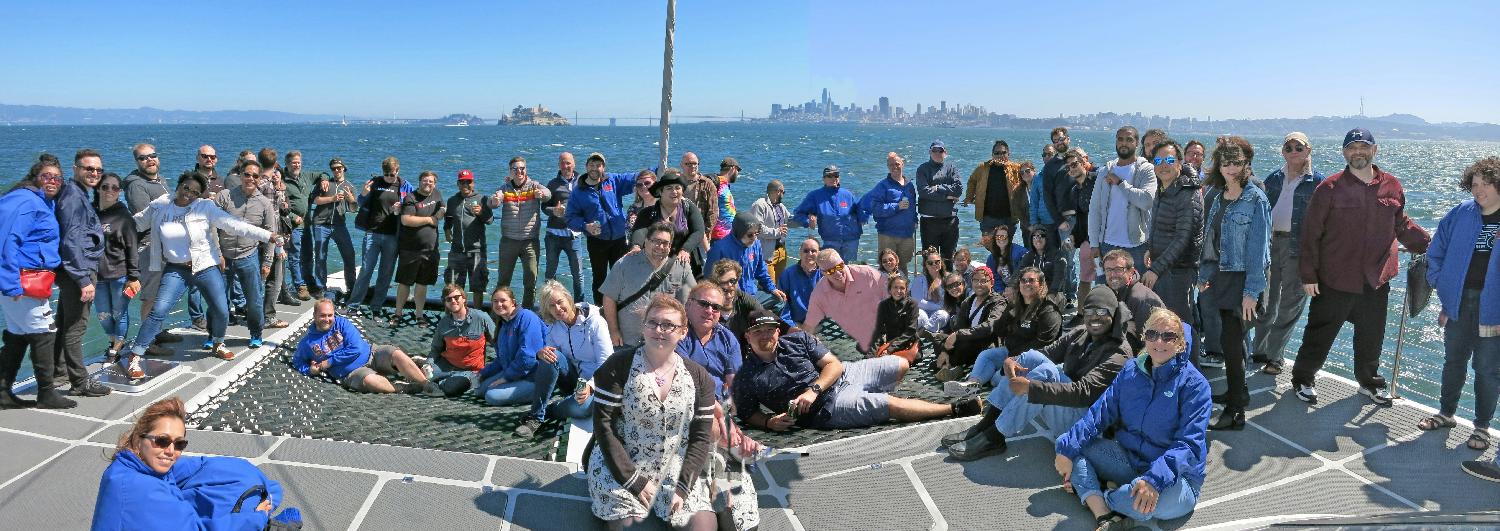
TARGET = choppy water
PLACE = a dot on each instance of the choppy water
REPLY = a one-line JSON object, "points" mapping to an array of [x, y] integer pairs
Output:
{"points": [[795, 154]]}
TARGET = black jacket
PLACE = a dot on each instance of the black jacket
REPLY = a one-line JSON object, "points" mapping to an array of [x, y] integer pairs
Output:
{"points": [[120, 244], [976, 326], [1090, 364], [1031, 327], [1176, 238], [896, 323]]}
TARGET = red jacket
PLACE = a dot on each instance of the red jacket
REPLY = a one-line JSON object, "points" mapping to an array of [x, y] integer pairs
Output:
{"points": [[1349, 236]]}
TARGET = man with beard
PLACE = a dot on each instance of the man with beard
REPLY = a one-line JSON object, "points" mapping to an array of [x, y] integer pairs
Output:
{"points": [[1053, 182], [997, 193], [702, 191], [729, 172], [595, 209], [1120, 208], [1120, 276], [520, 201], [773, 217], [1193, 153], [299, 186], [1347, 262], [331, 199], [464, 227], [143, 185], [81, 247]]}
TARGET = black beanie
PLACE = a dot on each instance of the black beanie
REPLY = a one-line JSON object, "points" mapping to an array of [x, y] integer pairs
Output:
{"points": [[1101, 297]]}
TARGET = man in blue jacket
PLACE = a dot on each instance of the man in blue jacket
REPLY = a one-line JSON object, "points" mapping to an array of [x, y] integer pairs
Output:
{"points": [[595, 209], [744, 247], [1289, 189], [515, 376], [835, 213], [333, 346], [893, 204], [938, 189], [798, 282], [81, 247]]}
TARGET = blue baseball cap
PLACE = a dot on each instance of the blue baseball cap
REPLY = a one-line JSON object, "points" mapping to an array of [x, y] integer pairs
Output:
{"points": [[937, 145], [1359, 134]]}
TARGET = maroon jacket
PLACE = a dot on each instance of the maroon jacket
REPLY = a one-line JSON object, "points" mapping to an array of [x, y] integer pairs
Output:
{"points": [[1350, 233]]}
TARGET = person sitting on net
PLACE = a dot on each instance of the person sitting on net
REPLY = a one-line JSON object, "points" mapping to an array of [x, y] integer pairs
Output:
{"points": [[1032, 322], [461, 343], [1057, 383], [1158, 408], [334, 347], [797, 381], [897, 322]]}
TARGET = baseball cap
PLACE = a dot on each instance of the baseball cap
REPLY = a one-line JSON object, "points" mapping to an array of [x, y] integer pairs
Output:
{"points": [[764, 318], [1359, 134], [1298, 136], [336, 161], [465, 175], [830, 170], [937, 145], [729, 162]]}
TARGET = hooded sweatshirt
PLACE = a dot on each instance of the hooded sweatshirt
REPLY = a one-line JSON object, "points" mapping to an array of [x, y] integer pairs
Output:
{"points": [[586, 343], [1090, 363], [31, 235], [341, 344], [750, 258]]}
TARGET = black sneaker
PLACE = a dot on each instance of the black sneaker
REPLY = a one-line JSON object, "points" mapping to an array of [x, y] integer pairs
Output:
{"points": [[528, 428], [1211, 360], [1380, 395], [167, 337], [90, 387], [986, 443], [51, 399], [968, 407], [1485, 470]]}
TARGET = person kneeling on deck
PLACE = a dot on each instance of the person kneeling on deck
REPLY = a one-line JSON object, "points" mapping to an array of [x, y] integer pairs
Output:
{"points": [[333, 346], [1158, 408], [802, 383], [460, 344], [516, 376], [1058, 382]]}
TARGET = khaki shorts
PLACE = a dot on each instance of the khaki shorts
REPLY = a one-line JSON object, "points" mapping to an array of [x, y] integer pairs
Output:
{"points": [[381, 362]]}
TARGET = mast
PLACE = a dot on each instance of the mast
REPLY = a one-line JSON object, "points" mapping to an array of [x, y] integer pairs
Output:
{"points": [[666, 85]]}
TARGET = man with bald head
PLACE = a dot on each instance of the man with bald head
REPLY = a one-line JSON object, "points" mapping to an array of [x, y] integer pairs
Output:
{"points": [[846, 294], [893, 204], [334, 347], [207, 159], [702, 190], [560, 239], [798, 282]]}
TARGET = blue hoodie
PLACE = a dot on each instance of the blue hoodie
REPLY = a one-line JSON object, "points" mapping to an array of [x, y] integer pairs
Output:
{"points": [[197, 493], [751, 259], [1448, 263], [883, 202], [600, 202], [839, 213], [31, 236], [515, 348], [1160, 418], [340, 343]]}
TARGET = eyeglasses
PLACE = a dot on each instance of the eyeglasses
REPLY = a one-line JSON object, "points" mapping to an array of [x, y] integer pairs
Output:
{"points": [[835, 269], [1098, 312], [689, 164], [249, 175], [163, 441], [666, 328], [731, 281], [209, 157], [90, 169], [1074, 164], [661, 243], [1290, 147], [109, 187], [1165, 160], [1116, 270], [1000, 152], [142, 158], [186, 189], [1236, 162], [1164, 337], [1029, 280], [935, 262], [830, 176], [49, 177], [719, 308]]}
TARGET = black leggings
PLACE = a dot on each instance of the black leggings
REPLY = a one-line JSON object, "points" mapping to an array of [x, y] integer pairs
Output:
{"points": [[700, 521], [1232, 339]]}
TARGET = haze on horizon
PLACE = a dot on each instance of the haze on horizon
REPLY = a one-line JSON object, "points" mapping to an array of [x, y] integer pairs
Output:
{"points": [[394, 59]]}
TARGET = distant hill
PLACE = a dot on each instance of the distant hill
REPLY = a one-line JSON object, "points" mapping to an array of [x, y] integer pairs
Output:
{"points": [[46, 115], [453, 119]]}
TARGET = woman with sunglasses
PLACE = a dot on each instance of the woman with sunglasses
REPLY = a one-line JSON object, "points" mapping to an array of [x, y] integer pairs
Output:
{"points": [[1232, 273], [653, 413], [1176, 230], [150, 485], [119, 271], [1158, 407], [927, 290], [30, 246], [182, 248]]}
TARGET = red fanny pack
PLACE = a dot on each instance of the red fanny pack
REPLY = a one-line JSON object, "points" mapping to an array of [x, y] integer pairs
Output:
{"points": [[37, 283]]}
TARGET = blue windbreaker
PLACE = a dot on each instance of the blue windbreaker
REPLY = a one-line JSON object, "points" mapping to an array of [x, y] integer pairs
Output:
{"points": [[31, 236], [602, 203]]}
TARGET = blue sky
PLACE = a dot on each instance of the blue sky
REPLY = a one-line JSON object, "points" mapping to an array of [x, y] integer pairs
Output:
{"points": [[383, 58]]}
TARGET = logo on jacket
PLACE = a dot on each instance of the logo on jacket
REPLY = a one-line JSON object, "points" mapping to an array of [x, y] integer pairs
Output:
{"points": [[609, 187], [1168, 393], [843, 204]]}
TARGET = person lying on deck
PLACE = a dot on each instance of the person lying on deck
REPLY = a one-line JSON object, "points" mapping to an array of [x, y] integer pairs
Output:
{"points": [[795, 378], [1057, 383], [333, 346]]}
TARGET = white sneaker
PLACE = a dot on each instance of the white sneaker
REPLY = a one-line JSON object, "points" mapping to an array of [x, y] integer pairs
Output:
{"points": [[1379, 395], [1307, 393], [960, 388]]}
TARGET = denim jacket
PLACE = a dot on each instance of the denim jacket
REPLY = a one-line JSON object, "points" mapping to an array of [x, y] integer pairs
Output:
{"points": [[1244, 241], [1300, 199]]}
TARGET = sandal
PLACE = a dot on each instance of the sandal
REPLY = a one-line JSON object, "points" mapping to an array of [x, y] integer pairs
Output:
{"points": [[1436, 422], [1107, 521], [1479, 440]]}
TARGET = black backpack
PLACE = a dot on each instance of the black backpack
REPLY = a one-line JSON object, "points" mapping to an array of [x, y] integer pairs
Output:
{"points": [[372, 214]]}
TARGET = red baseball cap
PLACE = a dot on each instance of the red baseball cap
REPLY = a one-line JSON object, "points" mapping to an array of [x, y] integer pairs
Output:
{"points": [[465, 175]]}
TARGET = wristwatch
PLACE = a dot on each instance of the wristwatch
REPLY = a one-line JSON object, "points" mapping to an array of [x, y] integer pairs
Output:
{"points": [[816, 389]]}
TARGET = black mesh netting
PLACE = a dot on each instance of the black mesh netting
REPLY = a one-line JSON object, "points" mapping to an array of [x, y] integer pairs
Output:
{"points": [[272, 398]]}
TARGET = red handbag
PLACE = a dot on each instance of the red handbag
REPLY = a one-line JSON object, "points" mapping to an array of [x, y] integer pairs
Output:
{"points": [[37, 283]]}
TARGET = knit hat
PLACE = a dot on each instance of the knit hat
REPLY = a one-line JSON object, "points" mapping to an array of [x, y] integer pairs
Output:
{"points": [[1101, 297]]}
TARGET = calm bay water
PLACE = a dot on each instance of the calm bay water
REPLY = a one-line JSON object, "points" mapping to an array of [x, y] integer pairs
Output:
{"points": [[795, 154]]}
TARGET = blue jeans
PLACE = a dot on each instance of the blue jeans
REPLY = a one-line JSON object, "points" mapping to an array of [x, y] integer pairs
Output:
{"points": [[1016, 411], [380, 249], [112, 306], [1104, 460], [347, 259], [1461, 341], [566, 407], [295, 246], [246, 271], [848, 249], [559, 245], [175, 279], [534, 390], [317, 265], [195, 303], [987, 366]]}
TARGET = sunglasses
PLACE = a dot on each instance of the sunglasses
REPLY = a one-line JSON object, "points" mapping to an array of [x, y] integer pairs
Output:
{"points": [[455, 297], [1098, 312], [1238, 162], [733, 281], [109, 187], [1293, 147], [709, 305], [1075, 164], [835, 269], [1165, 337], [1165, 160], [91, 169], [518, 169], [1002, 152], [143, 158], [209, 157], [163, 441]]}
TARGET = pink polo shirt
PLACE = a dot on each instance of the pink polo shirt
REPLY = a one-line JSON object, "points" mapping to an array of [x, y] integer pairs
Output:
{"points": [[854, 308]]}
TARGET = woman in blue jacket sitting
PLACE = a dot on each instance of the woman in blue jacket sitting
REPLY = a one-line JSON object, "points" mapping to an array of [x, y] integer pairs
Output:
{"points": [[515, 375], [150, 485], [1159, 405], [1461, 263], [31, 235]]}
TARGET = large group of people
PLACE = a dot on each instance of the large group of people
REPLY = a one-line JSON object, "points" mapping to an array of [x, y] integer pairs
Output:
{"points": [[1103, 282]]}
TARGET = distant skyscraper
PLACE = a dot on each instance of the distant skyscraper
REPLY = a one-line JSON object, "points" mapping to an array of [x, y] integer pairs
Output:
{"points": [[919, 109], [885, 107], [775, 109], [943, 107]]}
